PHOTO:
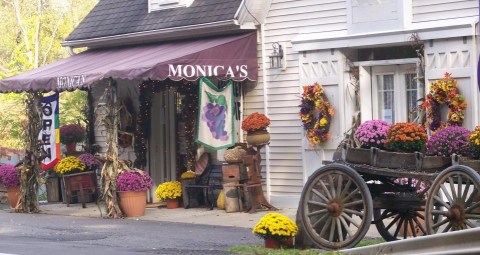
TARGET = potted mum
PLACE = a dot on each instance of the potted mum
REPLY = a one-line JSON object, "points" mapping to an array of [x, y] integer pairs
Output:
{"points": [[448, 141], [276, 229], [132, 189], [11, 179], [256, 125], [90, 161], [403, 139], [169, 192], [69, 165], [370, 134], [474, 143], [71, 134]]}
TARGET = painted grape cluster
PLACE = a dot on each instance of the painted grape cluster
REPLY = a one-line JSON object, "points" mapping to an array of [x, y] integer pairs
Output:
{"points": [[214, 114]]}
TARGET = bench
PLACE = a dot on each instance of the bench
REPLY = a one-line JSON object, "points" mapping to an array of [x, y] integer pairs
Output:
{"points": [[209, 179]]}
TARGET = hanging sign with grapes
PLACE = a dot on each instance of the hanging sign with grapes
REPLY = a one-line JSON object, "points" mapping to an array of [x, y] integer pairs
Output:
{"points": [[215, 127]]}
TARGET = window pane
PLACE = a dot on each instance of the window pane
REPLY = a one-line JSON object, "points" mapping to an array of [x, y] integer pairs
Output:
{"points": [[385, 98], [412, 96]]}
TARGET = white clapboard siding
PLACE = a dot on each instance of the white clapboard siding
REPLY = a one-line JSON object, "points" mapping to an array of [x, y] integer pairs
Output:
{"points": [[285, 20], [431, 10]]}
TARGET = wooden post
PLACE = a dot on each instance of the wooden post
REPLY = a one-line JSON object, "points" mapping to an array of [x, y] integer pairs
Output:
{"points": [[253, 188]]}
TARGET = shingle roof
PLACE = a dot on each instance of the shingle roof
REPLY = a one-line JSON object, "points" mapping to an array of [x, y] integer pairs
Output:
{"points": [[116, 17]]}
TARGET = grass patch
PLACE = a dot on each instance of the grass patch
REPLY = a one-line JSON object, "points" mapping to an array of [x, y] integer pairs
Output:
{"points": [[260, 250]]}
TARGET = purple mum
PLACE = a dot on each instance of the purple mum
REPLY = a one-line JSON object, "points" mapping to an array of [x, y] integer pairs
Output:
{"points": [[134, 181], [372, 133], [9, 176], [449, 140]]}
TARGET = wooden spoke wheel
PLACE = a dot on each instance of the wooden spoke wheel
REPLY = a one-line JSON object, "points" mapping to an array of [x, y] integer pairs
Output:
{"points": [[398, 224], [405, 217], [453, 201], [335, 207]]}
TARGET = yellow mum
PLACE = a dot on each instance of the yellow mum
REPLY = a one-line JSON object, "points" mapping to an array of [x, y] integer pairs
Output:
{"points": [[169, 190]]}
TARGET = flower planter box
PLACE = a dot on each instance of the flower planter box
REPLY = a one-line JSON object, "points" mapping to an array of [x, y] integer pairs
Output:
{"points": [[472, 163], [356, 155], [387, 159], [434, 163], [80, 185]]}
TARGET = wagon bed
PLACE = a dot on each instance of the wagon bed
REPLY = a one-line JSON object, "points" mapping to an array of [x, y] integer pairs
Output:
{"points": [[342, 199]]}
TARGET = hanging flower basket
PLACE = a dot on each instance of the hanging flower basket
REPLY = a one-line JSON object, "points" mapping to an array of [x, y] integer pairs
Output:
{"points": [[258, 137]]}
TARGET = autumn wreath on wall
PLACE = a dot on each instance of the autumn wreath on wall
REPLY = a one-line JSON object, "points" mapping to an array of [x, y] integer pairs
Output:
{"points": [[316, 113], [444, 92]]}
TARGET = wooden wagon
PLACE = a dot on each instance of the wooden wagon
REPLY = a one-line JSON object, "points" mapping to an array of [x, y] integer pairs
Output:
{"points": [[405, 195]]}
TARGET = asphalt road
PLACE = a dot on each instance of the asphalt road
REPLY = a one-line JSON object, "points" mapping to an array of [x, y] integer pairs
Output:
{"points": [[49, 234]]}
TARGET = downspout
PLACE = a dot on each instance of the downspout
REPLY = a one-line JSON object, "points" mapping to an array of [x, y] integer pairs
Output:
{"points": [[265, 107], [70, 51]]}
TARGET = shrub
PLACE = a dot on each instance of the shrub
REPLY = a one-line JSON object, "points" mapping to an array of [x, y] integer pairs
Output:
{"points": [[136, 180], [72, 133], [69, 165], [449, 140], [169, 190], [90, 161], [276, 226], [255, 121], [474, 143], [9, 176], [372, 133], [406, 137]]}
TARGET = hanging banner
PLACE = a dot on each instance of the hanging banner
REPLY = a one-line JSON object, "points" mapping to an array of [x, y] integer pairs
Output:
{"points": [[50, 133], [215, 129]]}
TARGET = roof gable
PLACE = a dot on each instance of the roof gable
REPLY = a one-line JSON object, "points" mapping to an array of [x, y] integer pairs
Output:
{"points": [[121, 17]]}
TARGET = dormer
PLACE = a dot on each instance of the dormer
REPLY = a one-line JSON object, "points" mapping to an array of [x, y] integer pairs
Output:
{"points": [[155, 5]]}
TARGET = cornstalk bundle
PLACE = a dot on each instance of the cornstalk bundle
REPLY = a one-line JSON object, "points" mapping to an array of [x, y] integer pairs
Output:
{"points": [[107, 113], [29, 168]]}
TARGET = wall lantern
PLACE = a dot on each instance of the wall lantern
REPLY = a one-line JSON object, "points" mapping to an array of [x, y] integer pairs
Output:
{"points": [[276, 58]]}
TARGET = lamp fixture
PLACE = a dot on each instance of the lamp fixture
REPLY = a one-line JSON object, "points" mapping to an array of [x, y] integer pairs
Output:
{"points": [[277, 56]]}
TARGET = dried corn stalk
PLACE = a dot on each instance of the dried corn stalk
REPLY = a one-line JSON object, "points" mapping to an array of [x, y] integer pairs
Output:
{"points": [[107, 114], [29, 168]]}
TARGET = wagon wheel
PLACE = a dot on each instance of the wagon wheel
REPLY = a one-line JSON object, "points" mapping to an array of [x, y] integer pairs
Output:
{"points": [[398, 224], [453, 207], [335, 207], [401, 223]]}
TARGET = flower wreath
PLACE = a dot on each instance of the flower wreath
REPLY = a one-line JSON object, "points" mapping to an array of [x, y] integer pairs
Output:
{"points": [[315, 113], [444, 91]]}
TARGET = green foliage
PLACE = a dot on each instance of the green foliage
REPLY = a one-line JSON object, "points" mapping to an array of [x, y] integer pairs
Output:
{"points": [[260, 250], [22, 50], [72, 105]]}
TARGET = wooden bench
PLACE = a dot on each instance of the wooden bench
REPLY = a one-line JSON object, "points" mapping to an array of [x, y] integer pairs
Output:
{"points": [[209, 179]]}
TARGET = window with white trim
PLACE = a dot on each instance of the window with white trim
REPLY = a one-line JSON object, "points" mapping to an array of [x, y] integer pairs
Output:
{"points": [[395, 93]]}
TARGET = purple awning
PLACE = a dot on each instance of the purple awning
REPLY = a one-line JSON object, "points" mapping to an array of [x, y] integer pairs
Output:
{"points": [[229, 57]]}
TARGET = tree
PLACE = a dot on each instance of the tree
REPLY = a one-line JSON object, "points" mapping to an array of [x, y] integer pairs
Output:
{"points": [[31, 36]]}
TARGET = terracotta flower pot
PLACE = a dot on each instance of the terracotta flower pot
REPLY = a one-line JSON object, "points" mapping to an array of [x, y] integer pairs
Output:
{"points": [[133, 203], [173, 203], [258, 137], [272, 243], [13, 195]]}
